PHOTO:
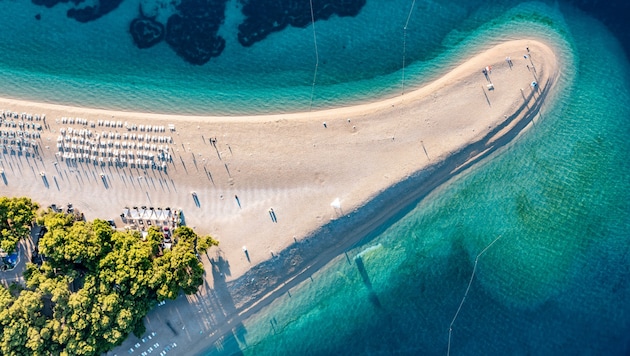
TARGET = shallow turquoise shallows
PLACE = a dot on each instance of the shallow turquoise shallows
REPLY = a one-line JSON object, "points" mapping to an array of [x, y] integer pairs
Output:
{"points": [[556, 202]]}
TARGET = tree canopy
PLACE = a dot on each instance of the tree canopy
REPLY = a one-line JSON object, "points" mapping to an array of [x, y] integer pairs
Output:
{"points": [[94, 287], [16, 216]]}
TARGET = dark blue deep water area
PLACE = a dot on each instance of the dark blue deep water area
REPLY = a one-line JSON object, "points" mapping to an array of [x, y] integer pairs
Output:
{"points": [[263, 17], [81, 12], [192, 30], [614, 14]]}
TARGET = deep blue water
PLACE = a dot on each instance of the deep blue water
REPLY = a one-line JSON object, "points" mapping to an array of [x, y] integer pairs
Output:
{"points": [[557, 279]]}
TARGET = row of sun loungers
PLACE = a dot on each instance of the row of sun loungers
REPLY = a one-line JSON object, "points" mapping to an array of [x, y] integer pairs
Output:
{"points": [[102, 152], [20, 124], [24, 116], [70, 132], [19, 134], [112, 161], [116, 124], [24, 149], [161, 155], [89, 144]]}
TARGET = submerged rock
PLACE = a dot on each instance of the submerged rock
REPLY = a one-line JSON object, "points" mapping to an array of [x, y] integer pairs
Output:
{"points": [[194, 39], [91, 13], [51, 3], [86, 13], [262, 17], [192, 31], [146, 32]]}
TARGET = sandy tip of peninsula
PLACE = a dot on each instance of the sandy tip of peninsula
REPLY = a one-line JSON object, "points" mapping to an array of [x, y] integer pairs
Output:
{"points": [[310, 168]]}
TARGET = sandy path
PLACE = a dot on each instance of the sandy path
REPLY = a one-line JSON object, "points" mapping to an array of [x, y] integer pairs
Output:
{"points": [[293, 163]]}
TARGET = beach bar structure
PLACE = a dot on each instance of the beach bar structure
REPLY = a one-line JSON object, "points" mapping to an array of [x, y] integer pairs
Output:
{"points": [[142, 216]]}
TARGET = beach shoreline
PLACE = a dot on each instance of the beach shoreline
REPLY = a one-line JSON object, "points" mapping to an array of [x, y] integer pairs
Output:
{"points": [[368, 156]]}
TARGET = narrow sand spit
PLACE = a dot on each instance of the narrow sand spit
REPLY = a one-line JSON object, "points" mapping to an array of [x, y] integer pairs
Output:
{"points": [[376, 158]]}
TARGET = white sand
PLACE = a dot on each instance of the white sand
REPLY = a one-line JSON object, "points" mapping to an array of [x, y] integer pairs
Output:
{"points": [[289, 162]]}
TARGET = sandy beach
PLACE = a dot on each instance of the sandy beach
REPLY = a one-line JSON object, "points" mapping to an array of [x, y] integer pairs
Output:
{"points": [[372, 160]]}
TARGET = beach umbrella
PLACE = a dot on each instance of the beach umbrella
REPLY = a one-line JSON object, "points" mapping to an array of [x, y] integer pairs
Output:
{"points": [[336, 204]]}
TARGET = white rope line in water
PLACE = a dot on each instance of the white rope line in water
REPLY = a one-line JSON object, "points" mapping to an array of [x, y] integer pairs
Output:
{"points": [[472, 276], [413, 4], [316, 56]]}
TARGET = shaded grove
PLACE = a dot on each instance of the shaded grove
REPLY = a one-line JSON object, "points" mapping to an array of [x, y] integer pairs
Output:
{"points": [[92, 285]]}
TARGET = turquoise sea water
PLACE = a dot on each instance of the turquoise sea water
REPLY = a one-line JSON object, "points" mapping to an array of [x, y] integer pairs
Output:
{"points": [[557, 281]]}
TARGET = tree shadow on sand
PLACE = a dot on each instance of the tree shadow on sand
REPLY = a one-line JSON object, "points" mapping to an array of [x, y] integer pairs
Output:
{"points": [[223, 307], [205, 318]]}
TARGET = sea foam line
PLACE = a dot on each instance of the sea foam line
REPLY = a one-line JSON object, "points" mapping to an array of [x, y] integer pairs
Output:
{"points": [[316, 57], [472, 276], [413, 4]]}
